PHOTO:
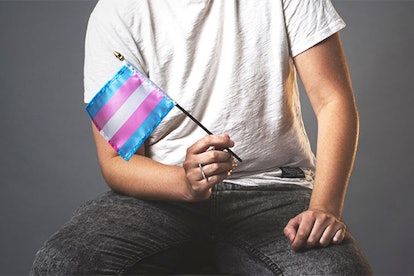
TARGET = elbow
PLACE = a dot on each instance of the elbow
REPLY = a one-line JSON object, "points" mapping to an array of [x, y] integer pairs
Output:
{"points": [[108, 172]]}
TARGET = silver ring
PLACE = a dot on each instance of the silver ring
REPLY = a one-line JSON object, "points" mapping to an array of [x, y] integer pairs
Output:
{"points": [[203, 175]]}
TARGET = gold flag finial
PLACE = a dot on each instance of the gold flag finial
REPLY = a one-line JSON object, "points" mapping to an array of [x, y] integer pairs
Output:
{"points": [[118, 55]]}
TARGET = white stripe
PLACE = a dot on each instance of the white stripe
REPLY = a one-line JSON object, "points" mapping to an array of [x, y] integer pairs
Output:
{"points": [[125, 111]]}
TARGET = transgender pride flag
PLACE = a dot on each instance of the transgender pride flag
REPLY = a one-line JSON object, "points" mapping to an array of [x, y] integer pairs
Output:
{"points": [[127, 109]]}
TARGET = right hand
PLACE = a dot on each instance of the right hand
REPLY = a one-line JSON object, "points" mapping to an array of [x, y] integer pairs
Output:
{"points": [[216, 163]]}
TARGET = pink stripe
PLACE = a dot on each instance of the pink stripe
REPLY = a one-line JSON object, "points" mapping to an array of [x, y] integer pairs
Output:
{"points": [[136, 119], [116, 101]]}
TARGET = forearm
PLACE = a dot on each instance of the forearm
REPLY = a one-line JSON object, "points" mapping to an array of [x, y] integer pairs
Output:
{"points": [[145, 178], [338, 127], [140, 176]]}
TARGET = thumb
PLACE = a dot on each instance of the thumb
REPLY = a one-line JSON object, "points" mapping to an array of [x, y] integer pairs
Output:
{"points": [[291, 228]]}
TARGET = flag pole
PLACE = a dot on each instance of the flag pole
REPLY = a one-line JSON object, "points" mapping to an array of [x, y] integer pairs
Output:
{"points": [[205, 129], [122, 58]]}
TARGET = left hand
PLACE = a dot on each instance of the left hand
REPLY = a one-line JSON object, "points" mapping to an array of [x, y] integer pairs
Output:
{"points": [[314, 228]]}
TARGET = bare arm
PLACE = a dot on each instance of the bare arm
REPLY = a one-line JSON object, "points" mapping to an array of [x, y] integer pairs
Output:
{"points": [[324, 73], [146, 178]]}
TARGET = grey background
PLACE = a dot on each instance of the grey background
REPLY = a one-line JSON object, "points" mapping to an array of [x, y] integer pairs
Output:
{"points": [[47, 158]]}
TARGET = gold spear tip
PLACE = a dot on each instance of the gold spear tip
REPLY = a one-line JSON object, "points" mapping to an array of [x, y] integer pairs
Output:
{"points": [[118, 55]]}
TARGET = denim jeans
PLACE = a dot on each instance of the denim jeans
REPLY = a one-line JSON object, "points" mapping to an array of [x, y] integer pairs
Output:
{"points": [[239, 230]]}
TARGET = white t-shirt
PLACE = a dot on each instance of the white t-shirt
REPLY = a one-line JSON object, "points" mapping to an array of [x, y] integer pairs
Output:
{"points": [[229, 63]]}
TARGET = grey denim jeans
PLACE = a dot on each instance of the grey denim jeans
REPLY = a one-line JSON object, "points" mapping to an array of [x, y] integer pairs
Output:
{"points": [[239, 230]]}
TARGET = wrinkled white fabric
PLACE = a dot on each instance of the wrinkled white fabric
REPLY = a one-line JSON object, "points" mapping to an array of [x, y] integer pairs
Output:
{"points": [[229, 63]]}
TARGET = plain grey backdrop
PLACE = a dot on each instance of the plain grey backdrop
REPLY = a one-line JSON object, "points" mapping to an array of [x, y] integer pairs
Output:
{"points": [[47, 158]]}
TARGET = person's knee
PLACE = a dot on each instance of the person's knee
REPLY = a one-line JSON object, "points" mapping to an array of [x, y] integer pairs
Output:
{"points": [[343, 259], [49, 260], [57, 257]]}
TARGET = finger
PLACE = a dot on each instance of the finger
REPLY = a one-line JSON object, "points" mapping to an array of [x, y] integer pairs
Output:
{"points": [[217, 176], [327, 236], [197, 172], [318, 232], [215, 179], [215, 156], [334, 233], [216, 141], [212, 162], [339, 236], [218, 165], [291, 228], [199, 183], [303, 232]]}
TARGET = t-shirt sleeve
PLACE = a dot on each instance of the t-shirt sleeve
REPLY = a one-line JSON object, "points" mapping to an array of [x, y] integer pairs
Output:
{"points": [[108, 29], [309, 22]]}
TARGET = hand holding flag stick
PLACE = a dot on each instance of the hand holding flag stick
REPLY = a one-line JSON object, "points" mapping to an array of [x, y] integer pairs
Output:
{"points": [[129, 107]]}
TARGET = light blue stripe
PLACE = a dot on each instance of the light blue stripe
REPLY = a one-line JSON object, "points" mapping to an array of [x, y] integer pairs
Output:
{"points": [[146, 128], [103, 96]]}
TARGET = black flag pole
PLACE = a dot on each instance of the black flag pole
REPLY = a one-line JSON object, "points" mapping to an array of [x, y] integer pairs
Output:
{"points": [[205, 129]]}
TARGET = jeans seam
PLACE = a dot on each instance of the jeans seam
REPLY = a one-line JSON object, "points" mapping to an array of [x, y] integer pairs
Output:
{"points": [[260, 255]]}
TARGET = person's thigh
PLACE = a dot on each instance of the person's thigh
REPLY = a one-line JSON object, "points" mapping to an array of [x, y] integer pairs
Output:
{"points": [[114, 233], [252, 239]]}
